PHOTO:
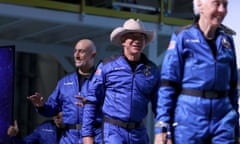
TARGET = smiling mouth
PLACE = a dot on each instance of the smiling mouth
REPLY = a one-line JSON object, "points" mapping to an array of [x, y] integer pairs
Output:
{"points": [[136, 45], [77, 59], [219, 18]]}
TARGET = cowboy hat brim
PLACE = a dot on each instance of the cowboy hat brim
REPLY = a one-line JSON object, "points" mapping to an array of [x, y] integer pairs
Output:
{"points": [[118, 32]]}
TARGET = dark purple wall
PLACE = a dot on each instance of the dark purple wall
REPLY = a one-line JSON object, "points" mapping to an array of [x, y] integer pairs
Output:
{"points": [[6, 90]]}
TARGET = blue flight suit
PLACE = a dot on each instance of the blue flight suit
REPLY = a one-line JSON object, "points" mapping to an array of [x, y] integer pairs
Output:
{"points": [[198, 93], [63, 99], [45, 133], [125, 94]]}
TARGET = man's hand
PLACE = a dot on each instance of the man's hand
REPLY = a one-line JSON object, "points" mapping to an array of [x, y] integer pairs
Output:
{"points": [[88, 140], [13, 129], [36, 99], [161, 138], [83, 101]]}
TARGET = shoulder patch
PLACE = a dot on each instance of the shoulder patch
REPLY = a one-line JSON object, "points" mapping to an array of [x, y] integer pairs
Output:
{"points": [[227, 30], [182, 28], [109, 59], [172, 44]]}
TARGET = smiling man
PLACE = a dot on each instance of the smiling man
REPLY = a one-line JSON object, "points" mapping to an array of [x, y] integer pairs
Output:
{"points": [[122, 87], [69, 94]]}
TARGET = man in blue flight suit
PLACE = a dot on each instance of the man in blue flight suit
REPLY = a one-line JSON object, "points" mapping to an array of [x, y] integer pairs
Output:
{"points": [[124, 84], [66, 95], [198, 98], [48, 132]]}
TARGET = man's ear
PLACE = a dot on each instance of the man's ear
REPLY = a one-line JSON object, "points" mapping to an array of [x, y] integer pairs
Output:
{"points": [[93, 55]]}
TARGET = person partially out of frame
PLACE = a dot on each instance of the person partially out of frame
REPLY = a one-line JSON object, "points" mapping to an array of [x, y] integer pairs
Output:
{"points": [[198, 100]]}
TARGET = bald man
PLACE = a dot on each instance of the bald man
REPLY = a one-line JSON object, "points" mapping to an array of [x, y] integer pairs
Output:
{"points": [[69, 94]]}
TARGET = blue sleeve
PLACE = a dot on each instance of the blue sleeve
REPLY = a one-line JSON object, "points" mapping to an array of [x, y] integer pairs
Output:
{"points": [[171, 75], [29, 139], [233, 91], [33, 137], [233, 83], [95, 98], [52, 106]]}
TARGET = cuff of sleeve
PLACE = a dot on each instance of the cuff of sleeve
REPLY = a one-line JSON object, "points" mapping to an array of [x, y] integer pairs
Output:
{"points": [[162, 130], [160, 127], [159, 130]]}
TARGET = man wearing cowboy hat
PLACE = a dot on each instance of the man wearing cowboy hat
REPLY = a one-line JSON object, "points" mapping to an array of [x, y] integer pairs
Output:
{"points": [[123, 86]]}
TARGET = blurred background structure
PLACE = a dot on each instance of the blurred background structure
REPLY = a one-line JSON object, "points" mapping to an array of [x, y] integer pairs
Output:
{"points": [[44, 33]]}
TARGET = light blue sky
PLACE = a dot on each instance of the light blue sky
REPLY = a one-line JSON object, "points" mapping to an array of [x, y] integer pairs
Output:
{"points": [[233, 20]]}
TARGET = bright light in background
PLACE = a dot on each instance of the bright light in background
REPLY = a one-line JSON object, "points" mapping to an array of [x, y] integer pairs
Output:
{"points": [[232, 21]]}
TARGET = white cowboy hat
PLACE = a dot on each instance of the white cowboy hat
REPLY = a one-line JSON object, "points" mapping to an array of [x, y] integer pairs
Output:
{"points": [[129, 26]]}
